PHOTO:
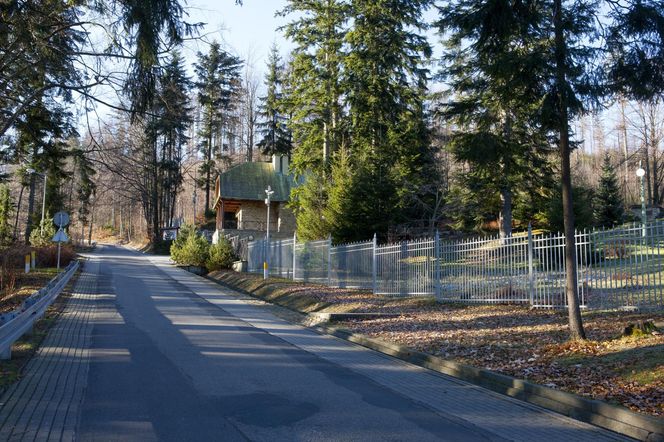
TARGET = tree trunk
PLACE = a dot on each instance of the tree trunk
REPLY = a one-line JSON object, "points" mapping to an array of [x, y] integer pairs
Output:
{"points": [[31, 208], [92, 220], [207, 175], [18, 211], [571, 289], [505, 216]]}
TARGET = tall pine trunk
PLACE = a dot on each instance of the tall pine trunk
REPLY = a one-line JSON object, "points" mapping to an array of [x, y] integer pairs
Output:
{"points": [[571, 289], [31, 208], [505, 217]]}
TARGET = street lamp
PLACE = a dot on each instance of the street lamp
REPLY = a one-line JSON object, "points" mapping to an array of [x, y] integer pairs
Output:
{"points": [[641, 173], [45, 176], [269, 193]]}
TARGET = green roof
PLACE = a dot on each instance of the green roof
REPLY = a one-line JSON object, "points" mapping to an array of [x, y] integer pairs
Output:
{"points": [[248, 181]]}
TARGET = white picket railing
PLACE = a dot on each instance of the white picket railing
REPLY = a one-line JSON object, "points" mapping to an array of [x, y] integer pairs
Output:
{"points": [[619, 267]]}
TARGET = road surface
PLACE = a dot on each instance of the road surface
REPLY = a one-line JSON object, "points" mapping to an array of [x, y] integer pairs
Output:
{"points": [[147, 351]]}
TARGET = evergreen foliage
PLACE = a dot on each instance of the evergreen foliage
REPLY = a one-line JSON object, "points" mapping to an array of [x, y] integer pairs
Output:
{"points": [[5, 212], [609, 207], [218, 79], [357, 84], [42, 236], [276, 137], [173, 118], [636, 44], [221, 255], [190, 248], [495, 133]]}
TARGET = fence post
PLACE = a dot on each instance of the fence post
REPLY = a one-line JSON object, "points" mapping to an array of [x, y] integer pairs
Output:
{"points": [[373, 265], [436, 271], [329, 260], [294, 260], [531, 273]]}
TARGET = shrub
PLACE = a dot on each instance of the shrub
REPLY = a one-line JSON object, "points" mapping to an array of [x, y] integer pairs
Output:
{"points": [[190, 249], [48, 256], [42, 236], [221, 255]]}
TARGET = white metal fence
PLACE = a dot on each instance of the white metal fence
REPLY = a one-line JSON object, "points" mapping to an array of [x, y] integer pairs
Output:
{"points": [[620, 267]]}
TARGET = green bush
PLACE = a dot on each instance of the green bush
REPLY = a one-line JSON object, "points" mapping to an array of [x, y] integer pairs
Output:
{"points": [[43, 237], [190, 249], [221, 255]]}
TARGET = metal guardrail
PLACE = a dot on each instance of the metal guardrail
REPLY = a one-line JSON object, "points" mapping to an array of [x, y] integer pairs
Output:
{"points": [[15, 324]]}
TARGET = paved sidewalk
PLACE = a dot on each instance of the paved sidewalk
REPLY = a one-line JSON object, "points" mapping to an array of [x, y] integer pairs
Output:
{"points": [[44, 404], [503, 416]]}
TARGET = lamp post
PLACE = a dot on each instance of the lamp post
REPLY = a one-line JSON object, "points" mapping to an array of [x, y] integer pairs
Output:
{"points": [[641, 173], [269, 193], [45, 176]]}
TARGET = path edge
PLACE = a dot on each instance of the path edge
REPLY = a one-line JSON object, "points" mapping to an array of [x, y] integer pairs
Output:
{"points": [[601, 414]]}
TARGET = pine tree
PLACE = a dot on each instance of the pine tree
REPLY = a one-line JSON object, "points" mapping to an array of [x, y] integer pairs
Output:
{"points": [[494, 133], [276, 137], [218, 74], [314, 93], [609, 208], [555, 75], [636, 44], [173, 111], [5, 212], [386, 79], [339, 216]]}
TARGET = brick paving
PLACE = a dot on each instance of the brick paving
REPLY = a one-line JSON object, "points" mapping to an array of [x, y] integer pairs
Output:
{"points": [[44, 404], [501, 415]]}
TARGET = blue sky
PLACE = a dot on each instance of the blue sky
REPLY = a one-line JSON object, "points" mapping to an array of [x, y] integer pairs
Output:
{"points": [[248, 30]]}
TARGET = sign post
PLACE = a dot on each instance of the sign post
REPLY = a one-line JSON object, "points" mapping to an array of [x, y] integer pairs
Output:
{"points": [[61, 219]]}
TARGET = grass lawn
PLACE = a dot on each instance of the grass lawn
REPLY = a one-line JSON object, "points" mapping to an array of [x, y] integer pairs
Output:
{"points": [[510, 339]]}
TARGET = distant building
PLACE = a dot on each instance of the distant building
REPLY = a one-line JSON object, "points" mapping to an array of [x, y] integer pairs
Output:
{"points": [[239, 200]]}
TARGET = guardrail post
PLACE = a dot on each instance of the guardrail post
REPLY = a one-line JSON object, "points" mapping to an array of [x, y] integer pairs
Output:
{"points": [[373, 266], [27, 263], [436, 272], [531, 272]]}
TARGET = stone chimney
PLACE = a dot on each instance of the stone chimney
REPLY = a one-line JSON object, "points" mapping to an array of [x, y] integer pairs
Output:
{"points": [[280, 164]]}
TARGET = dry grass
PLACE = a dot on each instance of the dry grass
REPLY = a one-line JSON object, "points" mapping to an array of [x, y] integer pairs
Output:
{"points": [[25, 285]]}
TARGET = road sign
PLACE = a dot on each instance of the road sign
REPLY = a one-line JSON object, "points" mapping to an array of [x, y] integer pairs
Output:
{"points": [[61, 219], [60, 236]]}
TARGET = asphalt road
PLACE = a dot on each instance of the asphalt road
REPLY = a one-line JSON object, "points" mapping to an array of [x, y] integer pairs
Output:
{"points": [[166, 364]]}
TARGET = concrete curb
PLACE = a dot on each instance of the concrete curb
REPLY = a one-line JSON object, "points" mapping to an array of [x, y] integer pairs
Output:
{"points": [[601, 414]]}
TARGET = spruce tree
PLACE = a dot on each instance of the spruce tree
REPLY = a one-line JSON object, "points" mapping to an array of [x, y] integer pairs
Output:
{"points": [[314, 98], [218, 74], [555, 74], [494, 132], [386, 80], [313, 102], [173, 110], [5, 212], [636, 46], [609, 208], [276, 137]]}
